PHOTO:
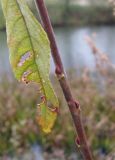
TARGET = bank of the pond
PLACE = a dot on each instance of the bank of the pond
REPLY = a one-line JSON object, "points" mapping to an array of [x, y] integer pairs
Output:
{"points": [[75, 15], [81, 15]]}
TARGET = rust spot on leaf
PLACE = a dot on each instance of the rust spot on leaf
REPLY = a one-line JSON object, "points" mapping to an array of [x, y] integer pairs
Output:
{"points": [[24, 77]]}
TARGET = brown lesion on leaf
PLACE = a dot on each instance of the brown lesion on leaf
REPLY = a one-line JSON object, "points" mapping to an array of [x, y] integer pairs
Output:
{"points": [[25, 77], [43, 101], [27, 56], [48, 104], [52, 108]]}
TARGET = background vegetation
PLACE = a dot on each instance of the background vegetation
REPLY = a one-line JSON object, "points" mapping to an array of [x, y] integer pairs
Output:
{"points": [[85, 12]]}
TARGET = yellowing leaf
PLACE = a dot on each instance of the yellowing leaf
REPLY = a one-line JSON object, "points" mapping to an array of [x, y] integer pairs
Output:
{"points": [[30, 56]]}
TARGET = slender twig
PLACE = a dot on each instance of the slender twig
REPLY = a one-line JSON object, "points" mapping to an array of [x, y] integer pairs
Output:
{"points": [[74, 106]]}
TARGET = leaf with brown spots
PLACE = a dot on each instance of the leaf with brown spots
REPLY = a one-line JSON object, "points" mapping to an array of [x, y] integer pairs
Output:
{"points": [[30, 56]]}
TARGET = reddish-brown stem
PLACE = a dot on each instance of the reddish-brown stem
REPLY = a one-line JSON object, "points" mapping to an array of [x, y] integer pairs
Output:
{"points": [[74, 106]]}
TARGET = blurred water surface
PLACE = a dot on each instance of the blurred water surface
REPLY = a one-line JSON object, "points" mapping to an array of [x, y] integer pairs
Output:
{"points": [[74, 50]]}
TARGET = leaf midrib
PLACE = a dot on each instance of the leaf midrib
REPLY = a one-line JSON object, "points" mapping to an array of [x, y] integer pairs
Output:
{"points": [[32, 46]]}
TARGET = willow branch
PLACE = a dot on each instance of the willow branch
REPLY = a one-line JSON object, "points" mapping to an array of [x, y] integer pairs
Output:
{"points": [[73, 105]]}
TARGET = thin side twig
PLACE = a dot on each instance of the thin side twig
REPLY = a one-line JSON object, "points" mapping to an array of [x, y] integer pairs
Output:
{"points": [[74, 106]]}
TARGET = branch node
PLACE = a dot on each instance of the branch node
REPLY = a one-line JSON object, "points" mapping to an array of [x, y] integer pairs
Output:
{"points": [[59, 73], [77, 141], [61, 76], [58, 70], [76, 104]]}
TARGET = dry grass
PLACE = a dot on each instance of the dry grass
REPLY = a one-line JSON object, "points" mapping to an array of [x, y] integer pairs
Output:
{"points": [[18, 129]]}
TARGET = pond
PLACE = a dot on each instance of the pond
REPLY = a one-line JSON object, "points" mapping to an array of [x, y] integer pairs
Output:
{"points": [[74, 50]]}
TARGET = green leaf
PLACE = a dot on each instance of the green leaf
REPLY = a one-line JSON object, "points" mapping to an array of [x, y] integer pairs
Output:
{"points": [[30, 56]]}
